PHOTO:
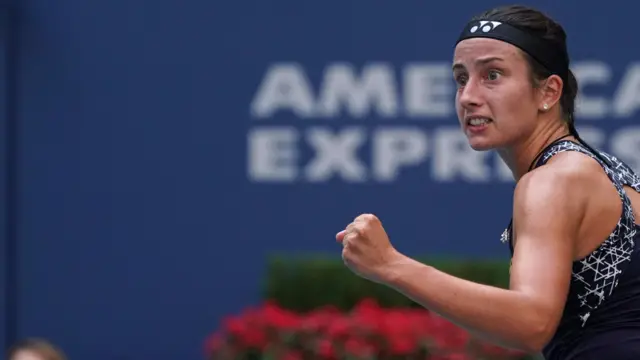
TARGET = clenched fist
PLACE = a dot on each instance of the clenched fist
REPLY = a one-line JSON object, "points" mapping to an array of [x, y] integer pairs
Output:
{"points": [[366, 248]]}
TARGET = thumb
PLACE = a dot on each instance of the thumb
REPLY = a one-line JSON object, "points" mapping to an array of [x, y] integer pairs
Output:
{"points": [[340, 235]]}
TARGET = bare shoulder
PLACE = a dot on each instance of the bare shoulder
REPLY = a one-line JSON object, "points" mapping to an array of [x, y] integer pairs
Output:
{"points": [[552, 200], [567, 176]]}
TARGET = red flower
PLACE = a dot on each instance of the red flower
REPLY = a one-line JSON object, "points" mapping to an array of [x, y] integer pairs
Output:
{"points": [[326, 349], [235, 326], [367, 331], [245, 334], [279, 318], [338, 328], [319, 320], [359, 348], [292, 355]]}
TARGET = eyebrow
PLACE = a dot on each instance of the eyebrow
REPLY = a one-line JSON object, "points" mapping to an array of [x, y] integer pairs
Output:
{"points": [[480, 61]]}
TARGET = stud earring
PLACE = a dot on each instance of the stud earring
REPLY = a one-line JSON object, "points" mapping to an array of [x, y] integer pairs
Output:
{"points": [[545, 106]]}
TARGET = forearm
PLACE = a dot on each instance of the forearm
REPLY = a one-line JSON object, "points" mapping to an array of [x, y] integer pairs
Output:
{"points": [[503, 316]]}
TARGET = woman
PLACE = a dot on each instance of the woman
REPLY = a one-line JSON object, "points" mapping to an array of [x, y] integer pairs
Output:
{"points": [[575, 276], [35, 349]]}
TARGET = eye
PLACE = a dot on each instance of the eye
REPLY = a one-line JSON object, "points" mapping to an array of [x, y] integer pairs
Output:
{"points": [[493, 75], [461, 79]]}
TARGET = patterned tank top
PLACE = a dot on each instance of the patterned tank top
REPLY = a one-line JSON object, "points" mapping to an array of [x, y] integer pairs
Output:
{"points": [[601, 318]]}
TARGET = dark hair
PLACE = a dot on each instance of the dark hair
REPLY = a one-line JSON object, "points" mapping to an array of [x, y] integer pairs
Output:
{"points": [[41, 347], [541, 25]]}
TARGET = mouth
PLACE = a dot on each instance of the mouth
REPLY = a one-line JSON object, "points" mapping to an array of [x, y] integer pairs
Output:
{"points": [[477, 121]]}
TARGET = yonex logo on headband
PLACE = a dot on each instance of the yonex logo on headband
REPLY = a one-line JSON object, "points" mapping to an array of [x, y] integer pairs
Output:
{"points": [[555, 59], [485, 26]]}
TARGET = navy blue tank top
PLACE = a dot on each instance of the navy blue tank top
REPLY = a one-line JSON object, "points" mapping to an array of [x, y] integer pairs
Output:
{"points": [[601, 318]]}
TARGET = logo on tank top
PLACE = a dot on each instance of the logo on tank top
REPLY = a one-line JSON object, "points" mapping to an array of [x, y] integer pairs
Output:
{"points": [[485, 26], [504, 238]]}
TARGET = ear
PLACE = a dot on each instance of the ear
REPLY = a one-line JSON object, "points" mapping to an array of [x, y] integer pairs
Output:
{"points": [[550, 92]]}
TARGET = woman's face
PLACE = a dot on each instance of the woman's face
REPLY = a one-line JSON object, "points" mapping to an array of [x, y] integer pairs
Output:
{"points": [[496, 103]]}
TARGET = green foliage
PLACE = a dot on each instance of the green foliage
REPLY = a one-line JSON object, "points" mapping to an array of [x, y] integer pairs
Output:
{"points": [[305, 283]]}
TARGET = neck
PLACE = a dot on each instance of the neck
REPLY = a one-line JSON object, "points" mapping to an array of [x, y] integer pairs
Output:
{"points": [[519, 157]]}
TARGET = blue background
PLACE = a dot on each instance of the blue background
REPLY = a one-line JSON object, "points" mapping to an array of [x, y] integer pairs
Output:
{"points": [[130, 225]]}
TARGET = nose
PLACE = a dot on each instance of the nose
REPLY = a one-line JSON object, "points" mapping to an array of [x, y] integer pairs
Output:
{"points": [[469, 95]]}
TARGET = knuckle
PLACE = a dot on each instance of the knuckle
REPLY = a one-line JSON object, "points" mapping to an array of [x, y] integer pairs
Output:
{"points": [[368, 218], [361, 217]]}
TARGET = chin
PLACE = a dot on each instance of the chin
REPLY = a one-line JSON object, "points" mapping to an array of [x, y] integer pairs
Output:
{"points": [[481, 145]]}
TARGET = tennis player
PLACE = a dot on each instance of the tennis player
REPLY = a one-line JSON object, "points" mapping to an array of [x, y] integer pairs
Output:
{"points": [[575, 276]]}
